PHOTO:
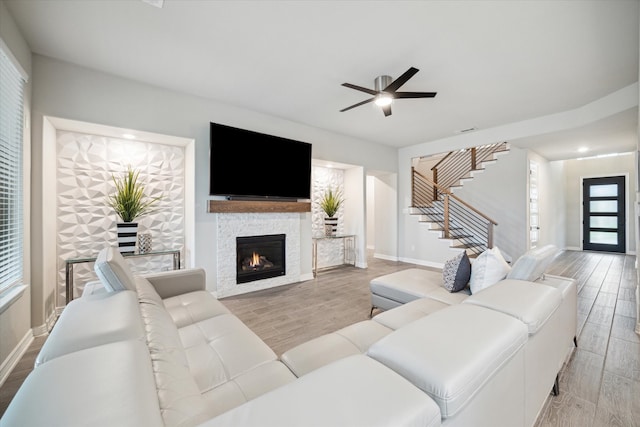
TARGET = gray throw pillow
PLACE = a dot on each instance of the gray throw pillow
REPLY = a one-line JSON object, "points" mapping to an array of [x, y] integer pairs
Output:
{"points": [[456, 272]]}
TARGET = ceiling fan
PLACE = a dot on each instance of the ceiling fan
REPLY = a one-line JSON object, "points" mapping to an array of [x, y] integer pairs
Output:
{"points": [[386, 91]]}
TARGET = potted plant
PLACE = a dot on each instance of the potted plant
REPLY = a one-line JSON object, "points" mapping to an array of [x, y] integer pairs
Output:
{"points": [[130, 202], [330, 203]]}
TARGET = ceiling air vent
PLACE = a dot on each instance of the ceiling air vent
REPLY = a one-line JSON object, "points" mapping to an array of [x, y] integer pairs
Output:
{"points": [[471, 129]]}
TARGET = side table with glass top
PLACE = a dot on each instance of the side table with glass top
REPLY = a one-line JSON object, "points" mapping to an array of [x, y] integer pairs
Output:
{"points": [[69, 263], [348, 248]]}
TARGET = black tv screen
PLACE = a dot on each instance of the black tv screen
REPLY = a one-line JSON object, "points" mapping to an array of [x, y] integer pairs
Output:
{"points": [[248, 164]]}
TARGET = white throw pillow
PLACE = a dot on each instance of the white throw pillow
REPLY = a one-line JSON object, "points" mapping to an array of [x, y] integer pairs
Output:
{"points": [[532, 265], [488, 269]]}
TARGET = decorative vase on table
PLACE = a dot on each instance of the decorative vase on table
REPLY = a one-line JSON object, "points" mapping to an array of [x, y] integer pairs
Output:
{"points": [[130, 202], [329, 203], [144, 243], [330, 226], [127, 237]]}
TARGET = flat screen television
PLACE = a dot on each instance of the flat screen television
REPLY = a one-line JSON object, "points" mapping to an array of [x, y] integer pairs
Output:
{"points": [[253, 165]]}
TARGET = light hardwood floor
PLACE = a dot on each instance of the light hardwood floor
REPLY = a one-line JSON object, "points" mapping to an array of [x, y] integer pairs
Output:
{"points": [[600, 385]]}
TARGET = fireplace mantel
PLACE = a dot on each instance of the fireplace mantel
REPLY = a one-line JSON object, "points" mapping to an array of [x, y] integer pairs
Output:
{"points": [[246, 206]]}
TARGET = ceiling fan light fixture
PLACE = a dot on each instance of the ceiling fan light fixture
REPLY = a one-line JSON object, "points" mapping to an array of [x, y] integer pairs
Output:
{"points": [[383, 100]]}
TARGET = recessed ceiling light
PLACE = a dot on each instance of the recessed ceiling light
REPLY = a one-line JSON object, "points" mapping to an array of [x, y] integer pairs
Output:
{"points": [[583, 149], [128, 136]]}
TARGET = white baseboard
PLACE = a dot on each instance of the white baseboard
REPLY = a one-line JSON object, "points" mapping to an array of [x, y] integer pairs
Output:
{"points": [[439, 265], [48, 325], [385, 257], [14, 357]]}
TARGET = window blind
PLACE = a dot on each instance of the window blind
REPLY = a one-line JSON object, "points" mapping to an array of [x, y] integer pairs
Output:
{"points": [[11, 192]]}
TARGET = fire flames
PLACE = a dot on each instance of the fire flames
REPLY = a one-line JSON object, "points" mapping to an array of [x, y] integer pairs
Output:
{"points": [[255, 260]]}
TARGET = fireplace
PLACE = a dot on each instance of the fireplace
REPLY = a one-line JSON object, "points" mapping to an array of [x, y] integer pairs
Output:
{"points": [[260, 257]]}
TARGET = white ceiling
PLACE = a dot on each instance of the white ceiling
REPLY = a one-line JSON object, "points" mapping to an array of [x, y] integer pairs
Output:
{"points": [[491, 62]]}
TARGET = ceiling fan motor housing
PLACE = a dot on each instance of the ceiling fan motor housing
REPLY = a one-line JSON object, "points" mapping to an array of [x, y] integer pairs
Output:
{"points": [[381, 82]]}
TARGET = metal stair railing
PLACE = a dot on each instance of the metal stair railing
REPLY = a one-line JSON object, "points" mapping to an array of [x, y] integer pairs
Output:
{"points": [[459, 164], [457, 219]]}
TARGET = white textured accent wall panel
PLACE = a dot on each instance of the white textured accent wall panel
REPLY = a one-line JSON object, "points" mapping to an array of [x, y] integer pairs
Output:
{"points": [[85, 223], [330, 251], [235, 225]]}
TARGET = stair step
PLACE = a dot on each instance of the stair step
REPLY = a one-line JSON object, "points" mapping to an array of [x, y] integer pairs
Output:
{"points": [[440, 228], [468, 245], [457, 237]]}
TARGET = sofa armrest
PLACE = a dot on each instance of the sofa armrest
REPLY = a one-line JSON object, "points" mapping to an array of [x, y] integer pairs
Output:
{"points": [[176, 282]]}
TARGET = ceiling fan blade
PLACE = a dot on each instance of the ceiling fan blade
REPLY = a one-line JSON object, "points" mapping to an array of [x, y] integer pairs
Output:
{"points": [[395, 85], [360, 88], [357, 105], [414, 94], [386, 110]]}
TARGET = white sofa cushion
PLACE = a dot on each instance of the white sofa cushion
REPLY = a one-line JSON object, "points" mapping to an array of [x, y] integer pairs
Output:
{"points": [[409, 312], [192, 307], [113, 271], [91, 321], [406, 285], [488, 269], [453, 352], [320, 351], [355, 391], [532, 265], [247, 386], [221, 348], [104, 386], [531, 303]]}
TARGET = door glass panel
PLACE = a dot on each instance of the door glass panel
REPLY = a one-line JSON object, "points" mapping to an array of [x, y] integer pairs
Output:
{"points": [[603, 222], [534, 220], [608, 190], [533, 235], [603, 237], [603, 206]]}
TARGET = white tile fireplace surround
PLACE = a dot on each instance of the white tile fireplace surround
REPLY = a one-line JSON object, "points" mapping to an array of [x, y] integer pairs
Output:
{"points": [[232, 225]]}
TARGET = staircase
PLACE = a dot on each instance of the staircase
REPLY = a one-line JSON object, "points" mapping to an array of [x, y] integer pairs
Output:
{"points": [[433, 199]]}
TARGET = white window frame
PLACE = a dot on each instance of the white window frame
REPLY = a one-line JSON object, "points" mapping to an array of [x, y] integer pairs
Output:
{"points": [[12, 129]]}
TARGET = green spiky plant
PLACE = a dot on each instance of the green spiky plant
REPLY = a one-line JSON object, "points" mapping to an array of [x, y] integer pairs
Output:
{"points": [[331, 202], [129, 200]]}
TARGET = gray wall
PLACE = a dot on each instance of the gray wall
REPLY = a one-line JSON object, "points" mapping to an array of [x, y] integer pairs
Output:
{"points": [[500, 192], [575, 171], [67, 91]]}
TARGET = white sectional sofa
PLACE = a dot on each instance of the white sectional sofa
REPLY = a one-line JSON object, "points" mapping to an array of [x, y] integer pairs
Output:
{"points": [[158, 350]]}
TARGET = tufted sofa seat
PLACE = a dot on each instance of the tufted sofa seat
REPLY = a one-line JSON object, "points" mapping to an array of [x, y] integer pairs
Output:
{"points": [[158, 350]]}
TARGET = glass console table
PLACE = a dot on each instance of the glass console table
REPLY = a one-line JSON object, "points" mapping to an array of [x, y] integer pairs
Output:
{"points": [[348, 249], [69, 263]]}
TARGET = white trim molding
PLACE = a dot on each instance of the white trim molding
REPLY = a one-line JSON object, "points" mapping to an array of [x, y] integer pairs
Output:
{"points": [[14, 357]]}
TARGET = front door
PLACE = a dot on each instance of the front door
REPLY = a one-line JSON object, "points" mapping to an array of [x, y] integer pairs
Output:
{"points": [[603, 220]]}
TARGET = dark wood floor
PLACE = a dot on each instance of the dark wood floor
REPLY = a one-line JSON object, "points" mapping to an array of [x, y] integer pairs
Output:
{"points": [[600, 386]]}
